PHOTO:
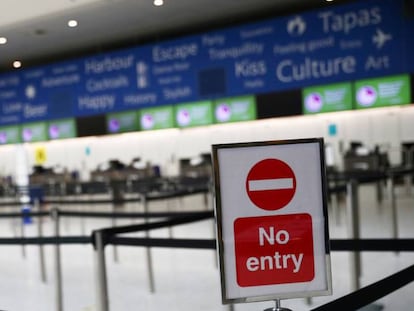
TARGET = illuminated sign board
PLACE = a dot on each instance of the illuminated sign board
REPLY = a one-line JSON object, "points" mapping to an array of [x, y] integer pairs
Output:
{"points": [[156, 118], [122, 122], [59, 129], [34, 132], [327, 98], [10, 135], [194, 114], [235, 109], [382, 92]]}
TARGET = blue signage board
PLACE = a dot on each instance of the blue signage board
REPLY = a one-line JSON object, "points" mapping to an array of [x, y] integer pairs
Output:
{"points": [[11, 106], [408, 49], [348, 42]]}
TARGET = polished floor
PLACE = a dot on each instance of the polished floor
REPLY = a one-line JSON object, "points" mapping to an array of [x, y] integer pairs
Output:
{"points": [[185, 279]]}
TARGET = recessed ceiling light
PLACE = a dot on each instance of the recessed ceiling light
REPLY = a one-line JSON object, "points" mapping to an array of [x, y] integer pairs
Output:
{"points": [[158, 2], [73, 23], [17, 64], [3, 40]]}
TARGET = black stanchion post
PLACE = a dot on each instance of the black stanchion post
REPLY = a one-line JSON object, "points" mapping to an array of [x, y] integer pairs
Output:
{"points": [[394, 215], [63, 191], [102, 301], [22, 234], [169, 209], [353, 222], [380, 194], [40, 235], [409, 161], [205, 200], [148, 249], [117, 194], [78, 192], [58, 266], [113, 221]]}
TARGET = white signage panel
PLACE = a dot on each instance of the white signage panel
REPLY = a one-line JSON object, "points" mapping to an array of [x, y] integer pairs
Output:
{"points": [[272, 221]]}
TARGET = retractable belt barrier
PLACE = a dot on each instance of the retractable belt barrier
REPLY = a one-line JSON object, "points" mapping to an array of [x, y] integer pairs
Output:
{"points": [[371, 293], [372, 245], [179, 220], [108, 236], [353, 301], [93, 214], [149, 197], [189, 189]]}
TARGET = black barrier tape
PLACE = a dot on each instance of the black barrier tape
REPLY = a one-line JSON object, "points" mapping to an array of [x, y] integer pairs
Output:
{"points": [[89, 214], [158, 242], [376, 245], [46, 240], [371, 293], [108, 232], [24, 214], [149, 197], [128, 214], [10, 204]]}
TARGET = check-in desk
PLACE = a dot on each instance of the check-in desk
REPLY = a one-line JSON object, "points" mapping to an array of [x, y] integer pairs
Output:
{"points": [[199, 166], [370, 163]]}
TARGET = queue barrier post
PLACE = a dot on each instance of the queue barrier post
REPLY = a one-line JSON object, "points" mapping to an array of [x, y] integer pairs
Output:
{"points": [[78, 193], [353, 231], [102, 299], [394, 215], [113, 222], [41, 248], [169, 209], [22, 232], [150, 269], [409, 162], [57, 259]]}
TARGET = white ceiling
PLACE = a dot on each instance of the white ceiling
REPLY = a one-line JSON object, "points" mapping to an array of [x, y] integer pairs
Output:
{"points": [[37, 30]]}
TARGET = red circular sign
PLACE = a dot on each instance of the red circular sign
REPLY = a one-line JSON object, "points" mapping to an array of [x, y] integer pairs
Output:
{"points": [[271, 184]]}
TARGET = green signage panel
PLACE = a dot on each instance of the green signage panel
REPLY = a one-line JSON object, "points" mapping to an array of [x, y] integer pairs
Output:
{"points": [[194, 114], [10, 135], [122, 122], [381, 92], [34, 132], [235, 109], [327, 98], [156, 118], [64, 128]]}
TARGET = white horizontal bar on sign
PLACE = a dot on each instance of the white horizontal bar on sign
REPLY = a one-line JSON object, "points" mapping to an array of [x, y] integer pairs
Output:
{"points": [[270, 184]]}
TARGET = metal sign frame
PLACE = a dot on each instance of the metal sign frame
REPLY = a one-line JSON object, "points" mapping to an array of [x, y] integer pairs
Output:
{"points": [[219, 214]]}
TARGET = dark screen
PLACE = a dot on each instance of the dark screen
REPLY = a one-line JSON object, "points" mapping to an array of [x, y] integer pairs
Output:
{"points": [[283, 104], [91, 126]]}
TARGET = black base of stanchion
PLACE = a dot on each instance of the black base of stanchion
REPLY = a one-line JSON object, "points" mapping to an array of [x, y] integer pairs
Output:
{"points": [[372, 307]]}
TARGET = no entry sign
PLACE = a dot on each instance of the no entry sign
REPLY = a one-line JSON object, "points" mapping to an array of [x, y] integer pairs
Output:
{"points": [[271, 184], [272, 222], [259, 262]]}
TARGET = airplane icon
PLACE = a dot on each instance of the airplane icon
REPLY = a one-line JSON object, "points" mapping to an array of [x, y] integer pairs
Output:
{"points": [[380, 38]]}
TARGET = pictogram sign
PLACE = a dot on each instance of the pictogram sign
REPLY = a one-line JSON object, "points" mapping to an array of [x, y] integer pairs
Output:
{"points": [[271, 184]]}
